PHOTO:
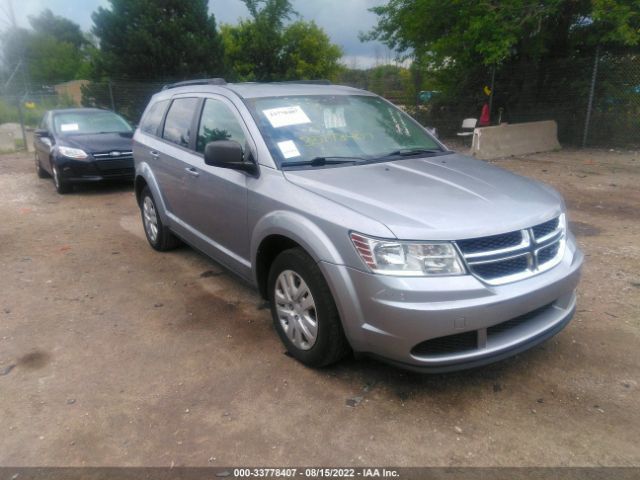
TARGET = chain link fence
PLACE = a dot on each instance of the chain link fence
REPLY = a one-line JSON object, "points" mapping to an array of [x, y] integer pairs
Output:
{"points": [[594, 99], [596, 102]]}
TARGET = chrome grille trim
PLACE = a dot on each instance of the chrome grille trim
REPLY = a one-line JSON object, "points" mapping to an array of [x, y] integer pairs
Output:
{"points": [[124, 154], [530, 247]]}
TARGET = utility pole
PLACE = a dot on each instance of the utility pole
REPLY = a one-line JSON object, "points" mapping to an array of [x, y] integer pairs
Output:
{"points": [[113, 103], [594, 75], [20, 98]]}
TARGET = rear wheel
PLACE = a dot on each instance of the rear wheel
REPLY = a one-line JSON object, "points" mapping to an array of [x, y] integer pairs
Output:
{"points": [[303, 310], [158, 235], [61, 185]]}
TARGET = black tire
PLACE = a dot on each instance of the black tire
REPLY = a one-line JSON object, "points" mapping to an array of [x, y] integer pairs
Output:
{"points": [[61, 185], [164, 240], [331, 344], [41, 172]]}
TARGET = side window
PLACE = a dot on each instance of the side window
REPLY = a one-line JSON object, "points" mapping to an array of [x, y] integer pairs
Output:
{"points": [[177, 126], [151, 121], [218, 123]]}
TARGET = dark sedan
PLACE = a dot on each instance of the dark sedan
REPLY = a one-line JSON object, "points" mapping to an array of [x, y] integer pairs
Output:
{"points": [[83, 145]]}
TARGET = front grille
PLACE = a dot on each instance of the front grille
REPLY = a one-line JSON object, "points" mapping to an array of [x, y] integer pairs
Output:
{"points": [[494, 242], [118, 172], [114, 159], [502, 268], [548, 253], [460, 342], [113, 154], [544, 229], [512, 256], [516, 322], [114, 164], [473, 339]]}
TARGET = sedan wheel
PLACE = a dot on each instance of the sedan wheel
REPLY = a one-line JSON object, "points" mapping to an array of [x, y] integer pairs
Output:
{"points": [[39, 170], [61, 185]]}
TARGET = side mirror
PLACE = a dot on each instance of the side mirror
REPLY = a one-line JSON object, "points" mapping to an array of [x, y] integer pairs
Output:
{"points": [[227, 154], [39, 132]]}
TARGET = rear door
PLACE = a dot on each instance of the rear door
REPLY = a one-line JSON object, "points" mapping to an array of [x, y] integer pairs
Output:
{"points": [[170, 155]]}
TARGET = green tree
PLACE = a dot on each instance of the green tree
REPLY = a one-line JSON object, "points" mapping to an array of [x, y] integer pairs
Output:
{"points": [[307, 52], [263, 48], [60, 28], [541, 53], [253, 47], [156, 39], [495, 31], [54, 50]]}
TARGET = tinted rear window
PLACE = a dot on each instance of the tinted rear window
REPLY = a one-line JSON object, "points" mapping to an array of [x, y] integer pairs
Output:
{"points": [[177, 126], [151, 121]]}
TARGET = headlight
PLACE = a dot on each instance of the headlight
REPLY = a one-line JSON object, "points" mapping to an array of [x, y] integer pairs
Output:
{"points": [[74, 153], [413, 259]]}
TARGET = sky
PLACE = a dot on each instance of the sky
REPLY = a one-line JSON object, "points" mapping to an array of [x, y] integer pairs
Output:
{"points": [[343, 20]]}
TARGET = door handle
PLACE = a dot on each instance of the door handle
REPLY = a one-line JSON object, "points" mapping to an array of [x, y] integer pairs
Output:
{"points": [[192, 171], [154, 154]]}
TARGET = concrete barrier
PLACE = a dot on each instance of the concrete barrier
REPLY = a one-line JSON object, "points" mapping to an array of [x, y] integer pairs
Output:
{"points": [[10, 133], [515, 139]]}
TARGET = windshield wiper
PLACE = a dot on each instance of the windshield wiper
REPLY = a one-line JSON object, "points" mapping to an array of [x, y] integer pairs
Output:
{"points": [[322, 161], [410, 152]]}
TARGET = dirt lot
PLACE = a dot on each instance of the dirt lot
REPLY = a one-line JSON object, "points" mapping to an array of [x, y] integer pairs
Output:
{"points": [[114, 354]]}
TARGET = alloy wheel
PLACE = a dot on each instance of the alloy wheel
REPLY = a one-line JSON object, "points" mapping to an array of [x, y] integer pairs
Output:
{"points": [[296, 309], [150, 219]]}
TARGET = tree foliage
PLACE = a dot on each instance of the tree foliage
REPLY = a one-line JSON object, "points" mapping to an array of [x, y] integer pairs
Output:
{"points": [[54, 50], [60, 28], [156, 39], [493, 31], [263, 48]]}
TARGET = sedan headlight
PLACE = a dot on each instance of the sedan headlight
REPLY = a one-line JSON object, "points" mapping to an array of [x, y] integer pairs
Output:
{"points": [[413, 259], [74, 153]]}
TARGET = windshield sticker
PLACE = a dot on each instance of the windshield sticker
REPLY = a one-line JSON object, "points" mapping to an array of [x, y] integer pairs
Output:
{"points": [[333, 137], [334, 118], [69, 127], [288, 149], [286, 116]]}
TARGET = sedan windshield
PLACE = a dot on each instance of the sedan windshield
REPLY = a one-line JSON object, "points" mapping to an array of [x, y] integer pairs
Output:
{"points": [[318, 130], [91, 122]]}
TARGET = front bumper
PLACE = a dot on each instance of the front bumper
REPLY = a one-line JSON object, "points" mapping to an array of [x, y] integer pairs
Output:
{"points": [[451, 323], [95, 170]]}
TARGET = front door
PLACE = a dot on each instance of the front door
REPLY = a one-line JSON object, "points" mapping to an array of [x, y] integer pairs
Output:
{"points": [[217, 205]]}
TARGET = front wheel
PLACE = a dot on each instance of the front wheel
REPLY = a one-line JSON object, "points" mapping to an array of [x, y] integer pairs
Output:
{"points": [[61, 185], [303, 310], [41, 172], [158, 235]]}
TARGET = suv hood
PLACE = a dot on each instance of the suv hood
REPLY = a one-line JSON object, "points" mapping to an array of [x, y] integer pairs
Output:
{"points": [[100, 142], [448, 197]]}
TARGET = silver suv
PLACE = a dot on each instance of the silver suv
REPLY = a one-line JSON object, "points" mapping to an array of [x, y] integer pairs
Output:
{"points": [[363, 231]]}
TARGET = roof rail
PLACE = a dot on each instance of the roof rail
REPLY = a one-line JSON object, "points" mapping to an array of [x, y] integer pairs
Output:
{"points": [[308, 82], [201, 81]]}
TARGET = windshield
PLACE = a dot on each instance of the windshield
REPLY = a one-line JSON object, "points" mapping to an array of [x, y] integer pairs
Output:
{"points": [[78, 123], [299, 129]]}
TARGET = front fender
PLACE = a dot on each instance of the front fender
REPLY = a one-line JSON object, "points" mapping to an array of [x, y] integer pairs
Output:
{"points": [[298, 228]]}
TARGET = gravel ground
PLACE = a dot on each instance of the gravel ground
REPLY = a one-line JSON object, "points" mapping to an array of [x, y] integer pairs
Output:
{"points": [[114, 354]]}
